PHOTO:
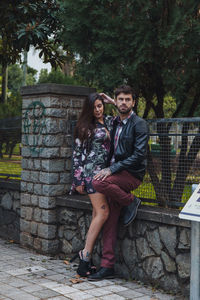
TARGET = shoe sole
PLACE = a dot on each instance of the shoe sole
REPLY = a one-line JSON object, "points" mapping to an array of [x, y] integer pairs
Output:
{"points": [[98, 279], [125, 225]]}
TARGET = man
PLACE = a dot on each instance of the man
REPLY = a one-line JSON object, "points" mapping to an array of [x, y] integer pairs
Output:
{"points": [[127, 164]]}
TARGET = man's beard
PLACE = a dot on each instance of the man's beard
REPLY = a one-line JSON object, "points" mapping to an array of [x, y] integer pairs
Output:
{"points": [[124, 112]]}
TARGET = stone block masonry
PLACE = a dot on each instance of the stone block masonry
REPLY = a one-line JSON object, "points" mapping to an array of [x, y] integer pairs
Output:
{"points": [[154, 249], [48, 111]]}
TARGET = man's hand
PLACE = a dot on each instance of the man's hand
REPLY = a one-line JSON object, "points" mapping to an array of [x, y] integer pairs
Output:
{"points": [[103, 174], [107, 99], [80, 189]]}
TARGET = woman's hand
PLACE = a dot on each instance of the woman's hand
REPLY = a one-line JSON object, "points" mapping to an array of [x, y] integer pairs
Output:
{"points": [[107, 99], [80, 189]]}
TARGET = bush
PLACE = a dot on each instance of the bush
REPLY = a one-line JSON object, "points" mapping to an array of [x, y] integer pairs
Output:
{"points": [[12, 108]]}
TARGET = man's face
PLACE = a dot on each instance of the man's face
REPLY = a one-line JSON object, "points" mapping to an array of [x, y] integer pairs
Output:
{"points": [[124, 103]]}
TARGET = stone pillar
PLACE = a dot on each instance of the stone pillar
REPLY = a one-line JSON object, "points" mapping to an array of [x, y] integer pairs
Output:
{"points": [[48, 111]]}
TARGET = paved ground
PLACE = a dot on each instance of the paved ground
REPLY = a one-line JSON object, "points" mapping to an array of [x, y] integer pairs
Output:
{"points": [[25, 275]]}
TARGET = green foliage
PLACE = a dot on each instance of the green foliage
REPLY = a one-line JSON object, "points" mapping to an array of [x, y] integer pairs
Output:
{"points": [[7, 91], [110, 110], [57, 76], [31, 71], [146, 190], [169, 107], [12, 108], [151, 45], [15, 77], [30, 79], [43, 76], [26, 23]]}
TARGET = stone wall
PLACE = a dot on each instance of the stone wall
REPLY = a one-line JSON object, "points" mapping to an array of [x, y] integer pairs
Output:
{"points": [[155, 249], [10, 209], [48, 112]]}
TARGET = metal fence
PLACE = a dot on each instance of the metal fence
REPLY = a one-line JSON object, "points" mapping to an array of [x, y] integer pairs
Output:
{"points": [[173, 161], [173, 158], [10, 138]]}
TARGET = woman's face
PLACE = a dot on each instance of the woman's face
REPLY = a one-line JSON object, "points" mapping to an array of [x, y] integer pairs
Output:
{"points": [[98, 109]]}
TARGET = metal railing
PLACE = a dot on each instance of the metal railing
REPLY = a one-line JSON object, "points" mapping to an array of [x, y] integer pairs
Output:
{"points": [[10, 138]]}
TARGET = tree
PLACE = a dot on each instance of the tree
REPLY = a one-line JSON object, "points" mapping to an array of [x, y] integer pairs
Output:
{"points": [[27, 23], [15, 77], [143, 43], [152, 45], [57, 76], [43, 76]]}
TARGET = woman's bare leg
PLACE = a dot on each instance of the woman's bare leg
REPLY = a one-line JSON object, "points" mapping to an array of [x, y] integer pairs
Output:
{"points": [[100, 215]]}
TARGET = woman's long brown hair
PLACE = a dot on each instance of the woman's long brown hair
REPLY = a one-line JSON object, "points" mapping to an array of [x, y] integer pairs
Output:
{"points": [[85, 126]]}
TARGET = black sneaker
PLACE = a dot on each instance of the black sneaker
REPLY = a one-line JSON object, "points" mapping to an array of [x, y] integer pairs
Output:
{"points": [[130, 211], [103, 273]]}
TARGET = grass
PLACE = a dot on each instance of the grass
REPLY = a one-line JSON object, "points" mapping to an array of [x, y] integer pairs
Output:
{"points": [[16, 150], [146, 190], [10, 166], [14, 158]]}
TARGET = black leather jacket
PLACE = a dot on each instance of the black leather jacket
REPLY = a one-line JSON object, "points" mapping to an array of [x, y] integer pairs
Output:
{"points": [[131, 151]]}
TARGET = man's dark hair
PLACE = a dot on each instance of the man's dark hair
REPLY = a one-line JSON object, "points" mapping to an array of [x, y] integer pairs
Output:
{"points": [[126, 89]]}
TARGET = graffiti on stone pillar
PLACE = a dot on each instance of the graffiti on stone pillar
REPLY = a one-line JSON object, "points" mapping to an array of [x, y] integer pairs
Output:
{"points": [[34, 126]]}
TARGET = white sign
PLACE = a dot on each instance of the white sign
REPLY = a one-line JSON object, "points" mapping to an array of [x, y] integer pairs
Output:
{"points": [[191, 210]]}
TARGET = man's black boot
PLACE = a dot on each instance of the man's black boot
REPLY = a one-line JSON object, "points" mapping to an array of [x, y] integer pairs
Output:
{"points": [[130, 211], [103, 273]]}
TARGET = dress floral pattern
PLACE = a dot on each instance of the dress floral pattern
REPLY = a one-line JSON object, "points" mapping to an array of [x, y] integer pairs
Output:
{"points": [[86, 163]]}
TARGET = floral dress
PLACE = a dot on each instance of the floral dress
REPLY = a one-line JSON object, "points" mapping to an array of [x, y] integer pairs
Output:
{"points": [[86, 164]]}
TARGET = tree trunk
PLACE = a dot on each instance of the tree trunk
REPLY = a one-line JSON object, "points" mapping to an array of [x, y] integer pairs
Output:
{"points": [[162, 184], [165, 189], [3, 98], [24, 67], [185, 163], [155, 180], [166, 177]]}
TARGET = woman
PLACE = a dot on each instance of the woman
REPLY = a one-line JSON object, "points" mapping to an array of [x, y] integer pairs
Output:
{"points": [[92, 144]]}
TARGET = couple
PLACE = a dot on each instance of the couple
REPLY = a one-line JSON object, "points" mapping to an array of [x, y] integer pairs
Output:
{"points": [[109, 161]]}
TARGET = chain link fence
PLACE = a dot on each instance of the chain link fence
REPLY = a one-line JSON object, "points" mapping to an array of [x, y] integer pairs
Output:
{"points": [[173, 161]]}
